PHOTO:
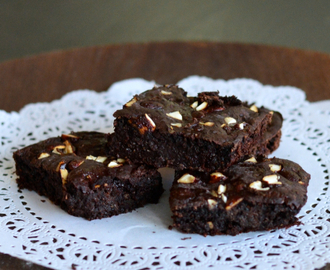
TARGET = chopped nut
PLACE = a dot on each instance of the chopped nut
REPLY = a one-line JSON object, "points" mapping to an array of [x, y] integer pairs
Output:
{"points": [[105, 184], [68, 147], [97, 186], [275, 167], [216, 177], [214, 193], [176, 115], [176, 124], [217, 174], [100, 159], [224, 198], [222, 189], [61, 165], [186, 179], [257, 185], [66, 136], [114, 164], [271, 112], [211, 226], [131, 102], [242, 125], [272, 179], [152, 123], [121, 160], [201, 106], [301, 183], [90, 157], [223, 125], [212, 203], [166, 93], [194, 105], [252, 160], [232, 204], [64, 175], [57, 148], [43, 155], [254, 108], [208, 124], [230, 121]]}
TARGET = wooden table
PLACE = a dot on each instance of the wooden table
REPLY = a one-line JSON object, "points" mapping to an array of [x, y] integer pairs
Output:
{"points": [[48, 76]]}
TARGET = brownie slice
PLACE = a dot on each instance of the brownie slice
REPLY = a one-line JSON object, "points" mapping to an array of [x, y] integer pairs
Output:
{"points": [[74, 172], [253, 195], [163, 127]]}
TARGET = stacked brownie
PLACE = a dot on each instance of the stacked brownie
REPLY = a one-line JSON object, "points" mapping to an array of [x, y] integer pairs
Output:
{"points": [[224, 183]]}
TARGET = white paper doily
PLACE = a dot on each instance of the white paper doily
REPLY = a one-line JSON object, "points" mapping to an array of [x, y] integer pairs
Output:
{"points": [[32, 228]]}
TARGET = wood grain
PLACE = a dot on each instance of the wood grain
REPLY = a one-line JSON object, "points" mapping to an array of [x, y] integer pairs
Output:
{"points": [[48, 76]]}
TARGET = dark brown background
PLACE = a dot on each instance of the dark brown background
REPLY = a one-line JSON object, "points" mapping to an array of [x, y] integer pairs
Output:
{"points": [[28, 28]]}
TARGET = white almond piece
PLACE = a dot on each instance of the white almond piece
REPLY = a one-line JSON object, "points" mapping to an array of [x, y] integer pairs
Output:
{"points": [[176, 124], [242, 125], [56, 149], [217, 174], [224, 198], [194, 105], [121, 160], [152, 123], [131, 102], [230, 121], [272, 179], [64, 175], [43, 155], [222, 189], [186, 179], [301, 183], [214, 193], [230, 206], [211, 226], [254, 108], [65, 136], [257, 185], [275, 167], [166, 93], [202, 106], [212, 203], [252, 160], [208, 124], [114, 164], [68, 147], [90, 157], [176, 115], [100, 159]]}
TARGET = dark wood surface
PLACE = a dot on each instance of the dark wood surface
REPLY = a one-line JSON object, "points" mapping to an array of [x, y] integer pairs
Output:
{"points": [[46, 77]]}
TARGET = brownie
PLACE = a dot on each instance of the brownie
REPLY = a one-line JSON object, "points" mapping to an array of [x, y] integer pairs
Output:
{"points": [[74, 172], [163, 127], [253, 195], [271, 139]]}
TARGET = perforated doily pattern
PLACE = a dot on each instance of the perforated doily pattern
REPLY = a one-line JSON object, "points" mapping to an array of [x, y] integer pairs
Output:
{"points": [[32, 228]]}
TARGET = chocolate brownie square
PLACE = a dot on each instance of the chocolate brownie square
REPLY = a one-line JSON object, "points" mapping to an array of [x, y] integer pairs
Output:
{"points": [[257, 194], [163, 127], [74, 172]]}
